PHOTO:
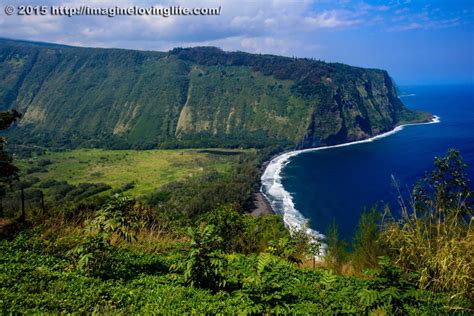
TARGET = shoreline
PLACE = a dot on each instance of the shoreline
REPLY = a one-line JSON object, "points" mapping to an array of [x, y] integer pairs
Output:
{"points": [[281, 201], [262, 205]]}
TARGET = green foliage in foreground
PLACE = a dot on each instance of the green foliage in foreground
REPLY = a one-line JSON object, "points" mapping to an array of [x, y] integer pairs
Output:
{"points": [[228, 262], [116, 217], [32, 280], [435, 237]]}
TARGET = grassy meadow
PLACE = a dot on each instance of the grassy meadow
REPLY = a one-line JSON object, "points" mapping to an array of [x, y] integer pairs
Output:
{"points": [[147, 170]]}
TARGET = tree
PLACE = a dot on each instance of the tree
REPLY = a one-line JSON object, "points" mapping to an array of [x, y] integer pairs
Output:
{"points": [[335, 249], [117, 217], [446, 189], [366, 246], [205, 263], [8, 171], [228, 224]]}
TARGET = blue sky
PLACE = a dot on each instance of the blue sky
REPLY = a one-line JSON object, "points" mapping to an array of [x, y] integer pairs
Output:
{"points": [[417, 41]]}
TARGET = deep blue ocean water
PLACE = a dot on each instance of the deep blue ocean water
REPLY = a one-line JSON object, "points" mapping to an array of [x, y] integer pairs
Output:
{"points": [[337, 183]]}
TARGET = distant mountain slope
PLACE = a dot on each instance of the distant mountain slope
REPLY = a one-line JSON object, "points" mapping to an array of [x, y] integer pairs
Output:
{"points": [[73, 96]]}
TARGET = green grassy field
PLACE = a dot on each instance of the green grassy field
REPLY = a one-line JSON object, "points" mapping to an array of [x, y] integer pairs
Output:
{"points": [[148, 169]]}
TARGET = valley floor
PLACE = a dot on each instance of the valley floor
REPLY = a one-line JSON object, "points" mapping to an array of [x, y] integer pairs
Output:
{"points": [[146, 170]]}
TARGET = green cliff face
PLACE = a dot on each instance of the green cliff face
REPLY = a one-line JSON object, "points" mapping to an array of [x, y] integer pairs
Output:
{"points": [[190, 97]]}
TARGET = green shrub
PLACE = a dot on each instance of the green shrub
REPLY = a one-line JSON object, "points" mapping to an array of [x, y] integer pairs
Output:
{"points": [[44, 162], [366, 246], [259, 231], [205, 264], [228, 224], [336, 249], [36, 169], [115, 218], [435, 236]]}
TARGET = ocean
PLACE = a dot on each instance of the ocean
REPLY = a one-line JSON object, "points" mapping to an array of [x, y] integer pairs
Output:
{"points": [[336, 184]]}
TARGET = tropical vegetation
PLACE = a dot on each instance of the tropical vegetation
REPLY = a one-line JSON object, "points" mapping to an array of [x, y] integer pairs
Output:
{"points": [[192, 247]]}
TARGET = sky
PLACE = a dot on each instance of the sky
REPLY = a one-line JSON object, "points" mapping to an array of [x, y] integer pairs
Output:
{"points": [[417, 41]]}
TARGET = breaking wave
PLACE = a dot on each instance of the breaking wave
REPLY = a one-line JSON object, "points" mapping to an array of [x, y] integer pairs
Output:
{"points": [[281, 200]]}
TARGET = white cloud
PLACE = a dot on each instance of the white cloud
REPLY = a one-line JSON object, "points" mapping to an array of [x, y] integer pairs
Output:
{"points": [[402, 10], [251, 21], [332, 19], [406, 27], [271, 26], [364, 7]]}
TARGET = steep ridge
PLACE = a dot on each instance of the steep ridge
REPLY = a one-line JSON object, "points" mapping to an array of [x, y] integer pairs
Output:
{"points": [[192, 97]]}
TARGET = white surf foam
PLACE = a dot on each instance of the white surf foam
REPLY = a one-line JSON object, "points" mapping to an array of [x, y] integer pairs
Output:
{"points": [[282, 201]]}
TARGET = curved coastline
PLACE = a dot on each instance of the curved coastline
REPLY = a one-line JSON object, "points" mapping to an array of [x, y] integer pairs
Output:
{"points": [[281, 200]]}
